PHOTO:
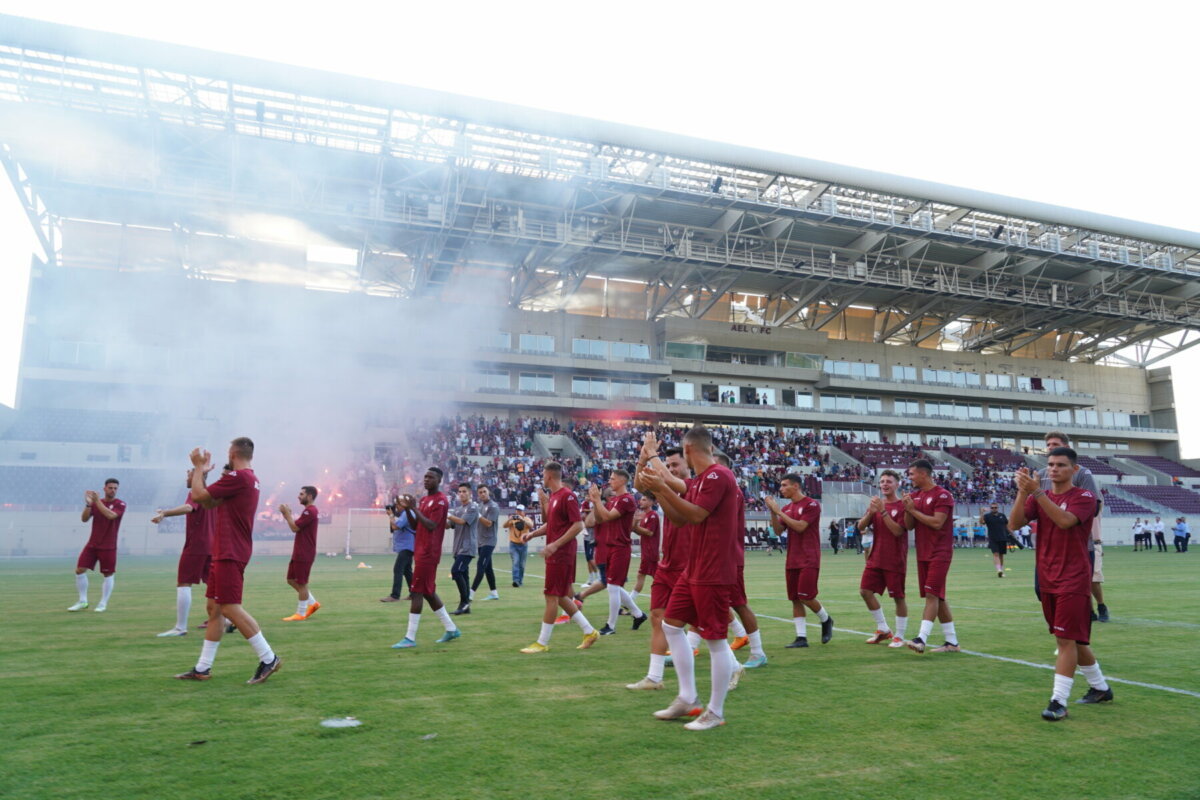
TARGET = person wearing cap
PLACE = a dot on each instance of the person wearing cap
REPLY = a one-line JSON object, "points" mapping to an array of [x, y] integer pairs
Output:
{"points": [[517, 525]]}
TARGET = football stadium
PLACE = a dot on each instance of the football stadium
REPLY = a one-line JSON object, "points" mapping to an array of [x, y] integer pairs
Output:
{"points": [[381, 304]]}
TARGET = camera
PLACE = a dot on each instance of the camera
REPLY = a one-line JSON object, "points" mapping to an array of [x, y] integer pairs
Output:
{"points": [[393, 507], [518, 523]]}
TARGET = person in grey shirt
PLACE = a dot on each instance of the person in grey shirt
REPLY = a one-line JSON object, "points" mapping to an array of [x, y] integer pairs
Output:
{"points": [[1084, 479], [489, 525], [465, 519]]}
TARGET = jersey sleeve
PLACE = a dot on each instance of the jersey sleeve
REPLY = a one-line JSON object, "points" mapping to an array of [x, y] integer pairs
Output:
{"points": [[943, 501], [1087, 482], [812, 515], [118, 508], [307, 517], [712, 489], [627, 505], [1083, 505], [227, 486], [571, 510], [1031, 509]]}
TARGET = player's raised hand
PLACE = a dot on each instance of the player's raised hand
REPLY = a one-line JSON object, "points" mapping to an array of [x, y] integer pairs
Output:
{"points": [[876, 506], [770, 503], [201, 459], [1026, 482], [594, 495], [285, 509], [653, 478], [90, 497], [909, 504], [649, 445]]}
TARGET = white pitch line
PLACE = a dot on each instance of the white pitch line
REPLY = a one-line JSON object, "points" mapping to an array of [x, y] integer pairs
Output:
{"points": [[1022, 663]]}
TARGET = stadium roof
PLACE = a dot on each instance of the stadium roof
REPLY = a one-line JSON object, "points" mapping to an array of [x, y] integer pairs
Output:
{"points": [[427, 189]]}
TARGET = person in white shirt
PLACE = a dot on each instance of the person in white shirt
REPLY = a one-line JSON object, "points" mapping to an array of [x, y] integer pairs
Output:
{"points": [[1139, 530], [1160, 539]]}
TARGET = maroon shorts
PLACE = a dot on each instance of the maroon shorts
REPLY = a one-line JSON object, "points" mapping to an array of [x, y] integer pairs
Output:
{"points": [[931, 577], [1068, 615], [802, 583], [193, 568], [617, 570], [664, 585], [424, 579], [705, 606], [559, 577], [89, 555], [298, 571], [739, 589], [648, 567], [876, 580], [600, 556], [225, 581]]}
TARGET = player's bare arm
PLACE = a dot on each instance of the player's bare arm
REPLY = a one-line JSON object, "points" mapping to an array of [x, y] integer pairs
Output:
{"points": [[286, 511], [679, 510], [177, 511]]}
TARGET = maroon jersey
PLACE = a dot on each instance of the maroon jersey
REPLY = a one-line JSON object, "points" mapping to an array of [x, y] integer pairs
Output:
{"points": [[433, 507], [741, 529], [562, 511], [676, 542], [304, 548], [200, 524], [617, 532], [1062, 558], [104, 530], [934, 544], [238, 491], [716, 541], [804, 548], [650, 543], [890, 551]]}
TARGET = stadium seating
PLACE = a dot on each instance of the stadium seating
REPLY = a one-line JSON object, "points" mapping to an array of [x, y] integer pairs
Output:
{"points": [[63, 487], [1119, 505], [1098, 467], [988, 458], [1165, 466], [884, 456], [1182, 500], [78, 425]]}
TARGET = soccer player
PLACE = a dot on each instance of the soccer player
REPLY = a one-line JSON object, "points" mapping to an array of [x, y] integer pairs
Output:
{"points": [[1065, 515], [930, 510], [743, 622], [562, 523], [801, 518], [600, 536], [304, 552], [997, 536], [106, 515], [616, 515], [431, 530], [487, 527], [888, 562], [1084, 479], [195, 558], [648, 528], [705, 597], [465, 519], [235, 497]]}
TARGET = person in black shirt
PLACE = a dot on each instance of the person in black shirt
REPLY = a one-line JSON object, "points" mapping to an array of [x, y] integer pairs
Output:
{"points": [[997, 533]]}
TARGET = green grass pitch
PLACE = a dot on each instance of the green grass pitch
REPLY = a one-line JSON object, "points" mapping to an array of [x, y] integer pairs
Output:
{"points": [[90, 709]]}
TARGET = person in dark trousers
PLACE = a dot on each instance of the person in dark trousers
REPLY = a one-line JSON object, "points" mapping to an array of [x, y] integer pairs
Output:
{"points": [[1182, 534], [997, 534], [403, 524], [489, 525], [834, 537], [465, 519]]}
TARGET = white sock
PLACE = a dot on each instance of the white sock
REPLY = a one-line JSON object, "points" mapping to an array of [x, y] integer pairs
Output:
{"points": [[634, 594], [81, 583], [1094, 677], [414, 622], [880, 622], [106, 592], [693, 640], [722, 668], [657, 665], [261, 648], [901, 626], [208, 654], [614, 605], [801, 626], [544, 637], [926, 629], [685, 664], [301, 607], [948, 632], [628, 601], [183, 605], [1062, 688], [579, 619], [736, 627], [756, 648], [444, 616], [823, 615], [312, 599]]}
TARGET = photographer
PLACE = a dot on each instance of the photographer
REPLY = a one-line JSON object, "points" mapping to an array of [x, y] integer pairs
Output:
{"points": [[517, 525], [402, 523]]}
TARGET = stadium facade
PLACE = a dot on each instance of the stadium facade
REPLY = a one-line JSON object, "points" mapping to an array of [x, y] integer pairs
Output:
{"points": [[588, 269]]}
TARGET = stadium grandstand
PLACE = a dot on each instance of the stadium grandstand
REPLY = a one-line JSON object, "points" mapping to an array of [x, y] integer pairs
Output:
{"points": [[598, 280]]}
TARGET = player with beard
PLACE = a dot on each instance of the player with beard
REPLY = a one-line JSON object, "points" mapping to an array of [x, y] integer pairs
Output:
{"points": [[616, 517], [888, 562], [105, 515], [431, 514], [195, 558], [930, 509], [561, 524], [304, 552], [235, 496]]}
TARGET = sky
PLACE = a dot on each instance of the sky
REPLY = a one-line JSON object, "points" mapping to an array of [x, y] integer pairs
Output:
{"points": [[1085, 105]]}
